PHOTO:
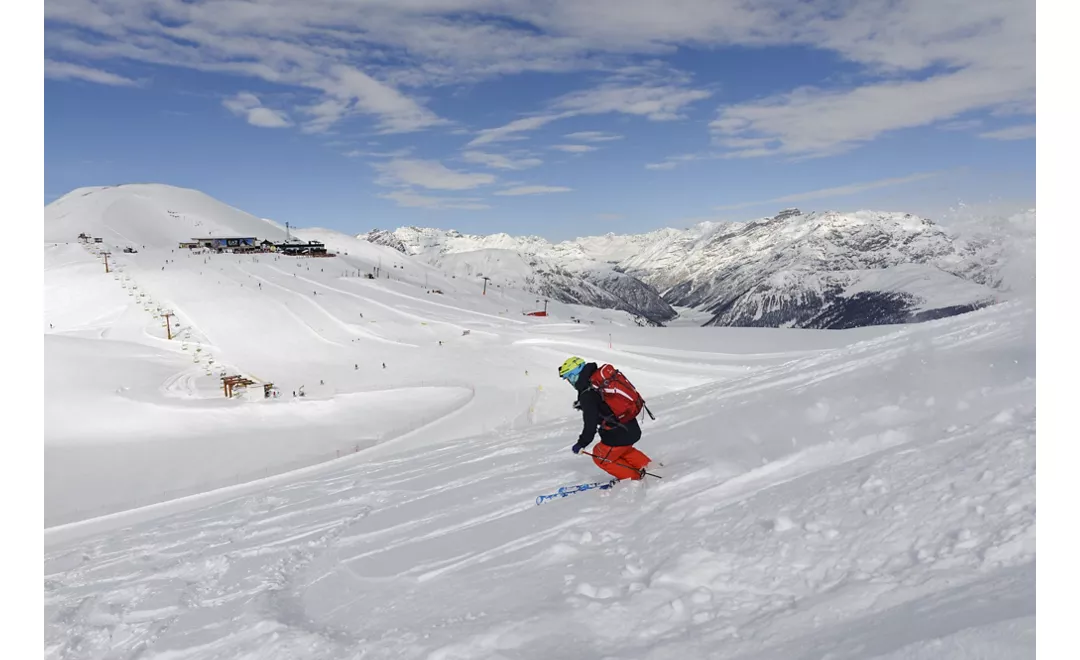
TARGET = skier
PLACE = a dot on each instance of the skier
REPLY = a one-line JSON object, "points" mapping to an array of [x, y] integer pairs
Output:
{"points": [[615, 453]]}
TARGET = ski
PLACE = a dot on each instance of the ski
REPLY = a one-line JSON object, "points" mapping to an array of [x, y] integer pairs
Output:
{"points": [[570, 490]]}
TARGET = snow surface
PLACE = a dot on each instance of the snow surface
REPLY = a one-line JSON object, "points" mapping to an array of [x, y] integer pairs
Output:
{"points": [[133, 419], [864, 493]]}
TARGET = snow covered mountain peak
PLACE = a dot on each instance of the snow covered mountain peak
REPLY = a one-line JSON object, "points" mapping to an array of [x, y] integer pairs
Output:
{"points": [[566, 272], [800, 269], [149, 214]]}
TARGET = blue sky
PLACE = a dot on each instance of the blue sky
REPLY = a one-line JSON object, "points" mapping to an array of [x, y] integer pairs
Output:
{"points": [[560, 118]]}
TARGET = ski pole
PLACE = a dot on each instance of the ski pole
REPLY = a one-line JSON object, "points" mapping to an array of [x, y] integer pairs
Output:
{"points": [[618, 463]]}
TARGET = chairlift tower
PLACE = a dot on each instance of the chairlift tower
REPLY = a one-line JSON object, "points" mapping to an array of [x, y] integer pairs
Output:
{"points": [[168, 326]]}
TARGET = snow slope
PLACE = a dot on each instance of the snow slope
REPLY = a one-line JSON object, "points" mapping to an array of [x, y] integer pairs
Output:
{"points": [[132, 418], [875, 500], [148, 214], [862, 493]]}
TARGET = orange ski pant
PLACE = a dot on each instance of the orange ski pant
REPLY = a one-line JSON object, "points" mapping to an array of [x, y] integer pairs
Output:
{"points": [[608, 459]]}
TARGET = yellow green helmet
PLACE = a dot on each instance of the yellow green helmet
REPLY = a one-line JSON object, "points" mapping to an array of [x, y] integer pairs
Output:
{"points": [[571, 365]]}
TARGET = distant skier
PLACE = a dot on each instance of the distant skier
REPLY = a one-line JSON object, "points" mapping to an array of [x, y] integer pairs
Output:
{"points": [[608, 404]]}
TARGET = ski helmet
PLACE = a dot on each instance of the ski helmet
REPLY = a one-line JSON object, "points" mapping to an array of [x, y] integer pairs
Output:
{"points": [[571, 367]]}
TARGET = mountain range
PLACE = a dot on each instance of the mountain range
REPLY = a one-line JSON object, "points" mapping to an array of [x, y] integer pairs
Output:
{"points": [[795, 269], [803, 270]]}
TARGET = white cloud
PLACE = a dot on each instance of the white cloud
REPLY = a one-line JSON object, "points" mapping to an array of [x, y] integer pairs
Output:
{"points": [[593, 136], [352, 91], [267, 118], [533, 190], [396, 153], [961, 125], [510, 131], [1023, 132], [574, 148], [69, 71], [499, 161], [248, 106], [986, 51], [413, 200], [671, 162], [813, 122], [370, 62], [838, 191], [429, 174], [655, 102], [408, 43], [277, 41]]}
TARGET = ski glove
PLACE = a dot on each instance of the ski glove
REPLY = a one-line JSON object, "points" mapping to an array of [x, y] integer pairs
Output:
{"points": [[577, 447]]}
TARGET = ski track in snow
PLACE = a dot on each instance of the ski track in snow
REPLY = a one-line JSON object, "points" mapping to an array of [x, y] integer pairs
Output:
{"points": [[874, 500]]}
